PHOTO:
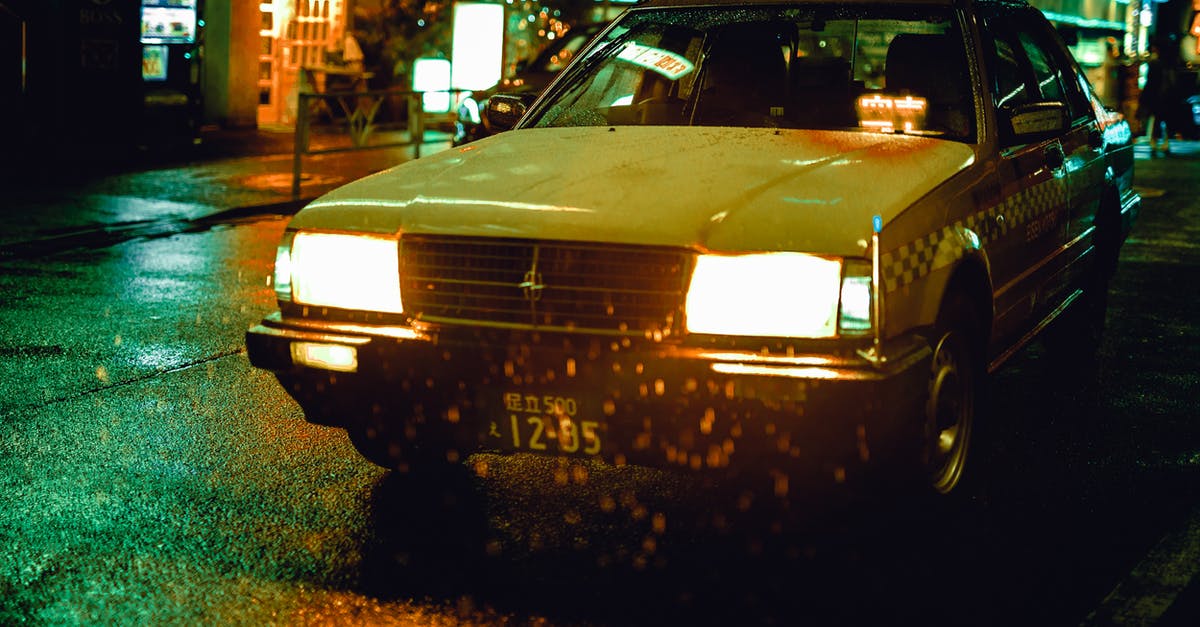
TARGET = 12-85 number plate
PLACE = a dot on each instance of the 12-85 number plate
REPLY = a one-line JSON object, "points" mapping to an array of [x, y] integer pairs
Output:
{"points": [[552, 424]]}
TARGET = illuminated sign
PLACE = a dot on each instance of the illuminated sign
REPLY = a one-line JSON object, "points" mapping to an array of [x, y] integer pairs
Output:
{"points": [[478, 45], [168, 21], [887, 114], [665, 62], [154, 63], [432, 76]]}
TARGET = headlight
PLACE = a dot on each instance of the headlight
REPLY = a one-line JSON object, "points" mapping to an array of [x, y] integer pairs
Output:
{"points": [[773, 294], [855, 314], [343, 271], [779, 295], [283, 268]]}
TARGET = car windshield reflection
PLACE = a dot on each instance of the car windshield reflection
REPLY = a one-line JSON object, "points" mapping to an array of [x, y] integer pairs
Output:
{"points": [[869, 68]]}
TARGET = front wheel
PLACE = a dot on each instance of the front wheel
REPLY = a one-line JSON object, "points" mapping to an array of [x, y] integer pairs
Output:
{"points": [[952, 393], [377, 448], [394, 452]]}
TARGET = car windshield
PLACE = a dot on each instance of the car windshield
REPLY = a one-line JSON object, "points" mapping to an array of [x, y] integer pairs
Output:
{"points": [[557, 55], [858, 67]]}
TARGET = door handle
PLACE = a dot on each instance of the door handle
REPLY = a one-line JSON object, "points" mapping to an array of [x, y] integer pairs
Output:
{"points": [[1055, 158]]}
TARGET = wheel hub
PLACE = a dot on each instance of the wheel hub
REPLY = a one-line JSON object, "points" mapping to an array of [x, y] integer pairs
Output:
{"points": [[948, 415]]}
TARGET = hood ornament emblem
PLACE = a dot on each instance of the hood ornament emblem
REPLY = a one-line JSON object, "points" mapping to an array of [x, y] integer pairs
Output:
{"points": [[531, 286]]}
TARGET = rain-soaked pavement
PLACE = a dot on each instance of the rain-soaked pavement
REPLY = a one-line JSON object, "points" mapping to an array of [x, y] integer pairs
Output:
{"points": [[148, 474]]}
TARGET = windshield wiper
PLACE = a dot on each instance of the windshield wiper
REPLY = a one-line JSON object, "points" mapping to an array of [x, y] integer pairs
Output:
{"points": [[603, 53]]}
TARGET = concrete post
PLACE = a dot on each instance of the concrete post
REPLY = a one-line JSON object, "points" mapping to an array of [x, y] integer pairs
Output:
{"points": [[231, 63]]}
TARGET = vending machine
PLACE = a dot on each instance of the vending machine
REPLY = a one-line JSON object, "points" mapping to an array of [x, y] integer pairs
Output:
{"points": [[171, 67]]}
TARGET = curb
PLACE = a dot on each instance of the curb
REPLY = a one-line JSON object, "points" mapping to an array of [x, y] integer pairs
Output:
{"points": [[283, 208], [106, 235]]}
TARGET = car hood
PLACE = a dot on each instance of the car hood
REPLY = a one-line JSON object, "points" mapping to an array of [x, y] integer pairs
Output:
{"points": [[716, 189]]}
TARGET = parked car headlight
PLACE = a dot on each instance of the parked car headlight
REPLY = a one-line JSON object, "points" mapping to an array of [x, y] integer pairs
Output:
{"points": [[338, 270], [771, 294]]}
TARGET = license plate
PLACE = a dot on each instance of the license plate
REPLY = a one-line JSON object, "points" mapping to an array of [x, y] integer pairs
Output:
{"points": [[546, 423]]}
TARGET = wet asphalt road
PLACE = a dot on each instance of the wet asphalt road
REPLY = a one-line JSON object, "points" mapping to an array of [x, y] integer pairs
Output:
{"points": [[149, 475]]}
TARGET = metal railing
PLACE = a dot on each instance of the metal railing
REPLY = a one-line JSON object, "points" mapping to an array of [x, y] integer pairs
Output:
{"points": [[358, 111]]}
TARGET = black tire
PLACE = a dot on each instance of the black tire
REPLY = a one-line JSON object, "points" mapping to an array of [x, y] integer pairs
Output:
{"points": [[427, 535], [393, 452], [955, 378], [377, 448]]}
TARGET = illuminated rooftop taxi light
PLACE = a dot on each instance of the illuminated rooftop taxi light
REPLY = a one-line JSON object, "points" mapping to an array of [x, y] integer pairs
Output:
{"points": [[886, 114], [333, 357], [432, 76], [478, 45]]}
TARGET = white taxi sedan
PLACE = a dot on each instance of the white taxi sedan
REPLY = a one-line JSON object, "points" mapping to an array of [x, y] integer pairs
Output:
{"points": [[783, 237]]}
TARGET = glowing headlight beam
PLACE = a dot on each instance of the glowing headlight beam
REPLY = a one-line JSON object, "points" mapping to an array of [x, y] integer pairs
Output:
{"points": [[769, 295], [359, 272]]}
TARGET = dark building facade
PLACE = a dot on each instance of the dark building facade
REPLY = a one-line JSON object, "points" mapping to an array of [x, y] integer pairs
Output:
{"points": [[94, 80], [71, 74]]}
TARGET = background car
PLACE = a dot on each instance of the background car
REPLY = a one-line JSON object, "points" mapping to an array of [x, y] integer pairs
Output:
{"points": [[529, 79]]}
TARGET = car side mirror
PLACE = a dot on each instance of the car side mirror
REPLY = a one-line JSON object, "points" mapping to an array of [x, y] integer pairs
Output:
{"points": [[505, 110], [1033, 122]]}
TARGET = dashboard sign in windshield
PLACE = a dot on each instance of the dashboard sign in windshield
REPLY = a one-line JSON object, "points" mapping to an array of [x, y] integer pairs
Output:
{"points": [[665, 62]]}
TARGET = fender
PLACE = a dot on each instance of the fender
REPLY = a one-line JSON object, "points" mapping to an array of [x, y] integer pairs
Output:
{"points": [[967, 258], [958, 251]]}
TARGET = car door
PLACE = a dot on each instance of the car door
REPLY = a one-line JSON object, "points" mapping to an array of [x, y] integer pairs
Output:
{"points": [[1059, 79], [1028, 225]]}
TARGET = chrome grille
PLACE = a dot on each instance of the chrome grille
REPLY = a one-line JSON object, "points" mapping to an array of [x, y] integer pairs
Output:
{"points": [[635, 290]]}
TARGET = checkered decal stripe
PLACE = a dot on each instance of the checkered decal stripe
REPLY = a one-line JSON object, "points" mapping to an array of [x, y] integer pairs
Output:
{"points": [[918, 258]]}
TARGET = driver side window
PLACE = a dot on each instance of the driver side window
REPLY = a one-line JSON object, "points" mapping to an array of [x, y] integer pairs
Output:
{"points": [[1009, 87], [1029, 67], [1044, 71]]}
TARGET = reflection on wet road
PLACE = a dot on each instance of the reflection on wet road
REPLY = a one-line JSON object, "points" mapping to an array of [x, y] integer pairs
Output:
{"points": [[149, 474]]}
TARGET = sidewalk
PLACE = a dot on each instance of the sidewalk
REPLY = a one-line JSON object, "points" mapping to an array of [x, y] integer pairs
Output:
{"points": [[248, 170], [1179, 149]]}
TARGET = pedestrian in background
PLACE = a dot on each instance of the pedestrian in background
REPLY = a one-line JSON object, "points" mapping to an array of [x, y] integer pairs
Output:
{"points": [[1154, 103]]}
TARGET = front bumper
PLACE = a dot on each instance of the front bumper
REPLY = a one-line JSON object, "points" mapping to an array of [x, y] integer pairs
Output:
{"points": [[653, 404]]}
